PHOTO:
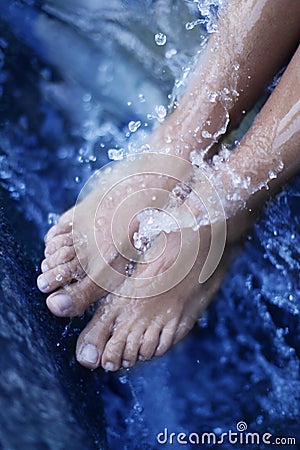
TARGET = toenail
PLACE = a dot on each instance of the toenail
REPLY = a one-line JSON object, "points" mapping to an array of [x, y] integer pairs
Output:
{"points": [[142, 358], [126, 363], [42, 283], [59, 303], [110, 367], [44, 266], [89, 354]]}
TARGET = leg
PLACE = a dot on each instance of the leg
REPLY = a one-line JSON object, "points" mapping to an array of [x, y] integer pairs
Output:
{"points": [[201, 117], [62, 270], [141, 328]]}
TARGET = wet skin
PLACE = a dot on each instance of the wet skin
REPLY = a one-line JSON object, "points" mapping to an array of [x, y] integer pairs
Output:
{"points": [[125, 329]]}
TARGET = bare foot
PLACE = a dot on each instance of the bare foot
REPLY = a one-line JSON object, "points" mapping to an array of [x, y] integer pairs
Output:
{"points": [[125, 330], [82, 249], [146, 312]]}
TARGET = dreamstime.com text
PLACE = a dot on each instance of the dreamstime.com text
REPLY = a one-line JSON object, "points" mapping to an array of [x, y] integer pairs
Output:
{"points": [[237, 437]]}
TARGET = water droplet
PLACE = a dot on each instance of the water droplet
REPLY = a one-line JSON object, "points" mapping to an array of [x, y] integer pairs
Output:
{"points": [[161, 112], [138, 407], [133, 126], [213, 97], [59, 277], [171, 53], [129, 269], [141, 243], [123, 379], [160, 38], [206, 134], [101, 222], [87, 98], [189, 25], [116, 154], [53, 218]]}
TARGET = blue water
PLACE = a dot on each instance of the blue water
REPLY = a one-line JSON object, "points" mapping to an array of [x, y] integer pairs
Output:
{"points": [[58, 119]]}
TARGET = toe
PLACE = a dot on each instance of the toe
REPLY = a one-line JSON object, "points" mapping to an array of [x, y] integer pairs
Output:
{"points": [[53, 245], [166, 337], [113, 352], [92, 340], [62, 227], [81, 294], [60, 303], [183, 328], [61, 256], [132, 347], [150, 342], [59, 275]]}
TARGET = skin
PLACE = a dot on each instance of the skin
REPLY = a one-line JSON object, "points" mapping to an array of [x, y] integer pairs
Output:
{"points": [[126, 328]]}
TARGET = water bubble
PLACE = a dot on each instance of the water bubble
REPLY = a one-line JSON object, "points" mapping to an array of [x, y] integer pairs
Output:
{"points": [[116, 154], [59, 277], [160, 38]]}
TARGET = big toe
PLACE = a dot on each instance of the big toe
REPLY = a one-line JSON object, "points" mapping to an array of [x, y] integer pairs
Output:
{"points": [[73, 299], [93, 338]]}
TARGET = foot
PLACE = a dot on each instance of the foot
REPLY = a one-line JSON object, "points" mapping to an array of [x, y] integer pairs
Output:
{"points": [[125, 330], [88, 241], [146, 312]]}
